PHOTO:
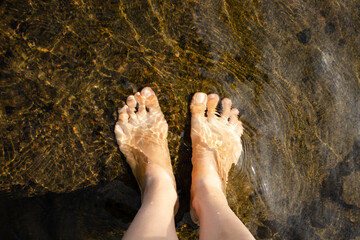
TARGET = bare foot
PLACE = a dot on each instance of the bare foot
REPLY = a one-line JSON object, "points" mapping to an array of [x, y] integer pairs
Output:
{"points": [[216, 142], [142, 138]]}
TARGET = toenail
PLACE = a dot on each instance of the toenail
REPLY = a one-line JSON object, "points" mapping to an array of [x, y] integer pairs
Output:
{"points": [[147, 92], [199, 98], [123, 109], [226, 100]]}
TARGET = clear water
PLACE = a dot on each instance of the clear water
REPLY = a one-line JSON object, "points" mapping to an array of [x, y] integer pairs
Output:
{"points": [[290, 67]]}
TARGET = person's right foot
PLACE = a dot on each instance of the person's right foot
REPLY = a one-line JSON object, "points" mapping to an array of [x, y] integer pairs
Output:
{"points": [[216, 142], [142, 138]]}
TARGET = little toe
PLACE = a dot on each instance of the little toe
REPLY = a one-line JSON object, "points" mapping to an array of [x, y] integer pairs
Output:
{"points": [[235, 122], [131, 102], [151, 101], [226, 108], [234, 117], [212, 102], [198, 104], [123, 114], [141, 100]]}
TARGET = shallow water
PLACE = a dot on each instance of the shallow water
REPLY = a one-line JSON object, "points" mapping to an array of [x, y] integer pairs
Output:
{"points": [[292, 68]]}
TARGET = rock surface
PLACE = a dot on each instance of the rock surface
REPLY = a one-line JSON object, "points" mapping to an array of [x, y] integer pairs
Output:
{"points": [[290, 67]]}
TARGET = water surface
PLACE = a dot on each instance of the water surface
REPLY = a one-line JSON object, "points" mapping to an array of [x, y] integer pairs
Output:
{"points": [[292, 68]]}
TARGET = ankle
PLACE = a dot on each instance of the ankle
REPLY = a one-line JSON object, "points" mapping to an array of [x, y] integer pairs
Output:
{"points": [[160, 182], [206, 190], [205, 175], [155, 172]]}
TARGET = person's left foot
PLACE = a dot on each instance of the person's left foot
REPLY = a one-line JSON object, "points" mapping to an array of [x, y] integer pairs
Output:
{"points": [[142, 138], [216, 144]]}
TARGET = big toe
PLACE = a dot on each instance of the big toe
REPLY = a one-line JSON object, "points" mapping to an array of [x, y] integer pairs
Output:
{"points": [[198, 104], [151, 101]]}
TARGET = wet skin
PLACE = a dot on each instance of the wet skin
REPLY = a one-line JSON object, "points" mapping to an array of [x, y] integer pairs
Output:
{"points": [[215, 140], [142, 137]]}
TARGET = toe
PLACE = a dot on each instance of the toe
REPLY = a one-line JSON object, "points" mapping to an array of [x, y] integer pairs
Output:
{"points": [[151, 101], [198, 104], [141, 100], [235, 122], [234, 117], [226, 107], [212, 101], [131, 102], [132, 115], [123, 114]]}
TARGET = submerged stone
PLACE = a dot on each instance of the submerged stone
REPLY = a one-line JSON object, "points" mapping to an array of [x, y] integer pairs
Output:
{"points": [[304, 36]]}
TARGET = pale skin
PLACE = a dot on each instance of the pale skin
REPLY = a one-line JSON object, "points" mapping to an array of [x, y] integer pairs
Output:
{"points": [[142, 138]]}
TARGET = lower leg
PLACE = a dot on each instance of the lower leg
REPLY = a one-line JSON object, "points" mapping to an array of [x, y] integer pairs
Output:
{"points": [[155, 219], [142, 137], [217, 220], [216, 146]]}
